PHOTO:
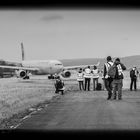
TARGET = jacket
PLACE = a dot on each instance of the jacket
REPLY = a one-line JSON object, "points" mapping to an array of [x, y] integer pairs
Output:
{"points": [[133, 73], [80, 76], [119, 70], [87, 73], [106, 67], [95, 73]]}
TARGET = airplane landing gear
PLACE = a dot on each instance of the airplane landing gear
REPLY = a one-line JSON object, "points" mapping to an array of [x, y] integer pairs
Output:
{"points": [[50, 77], [26, 77]]}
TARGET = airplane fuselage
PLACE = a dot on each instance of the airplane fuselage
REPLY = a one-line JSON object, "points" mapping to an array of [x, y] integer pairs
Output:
{"points": [[44, 66]]}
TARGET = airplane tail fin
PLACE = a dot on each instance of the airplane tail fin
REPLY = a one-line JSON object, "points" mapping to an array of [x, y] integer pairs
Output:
{"points": [[22, 51]]}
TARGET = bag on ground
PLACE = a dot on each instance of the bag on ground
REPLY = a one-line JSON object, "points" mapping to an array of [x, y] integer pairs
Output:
{"points": [[99, 86]]}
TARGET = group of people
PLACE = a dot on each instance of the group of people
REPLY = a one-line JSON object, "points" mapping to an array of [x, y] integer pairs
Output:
{"points": [[113, 83], [85, 76]]}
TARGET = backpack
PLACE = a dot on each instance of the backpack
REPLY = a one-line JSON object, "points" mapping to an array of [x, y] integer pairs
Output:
{"points": [[119, 73], [59, 84], [99, 86], [112, 71]]}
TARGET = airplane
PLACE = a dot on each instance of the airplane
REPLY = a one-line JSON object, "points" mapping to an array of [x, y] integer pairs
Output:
{"points": [[42, 67]]}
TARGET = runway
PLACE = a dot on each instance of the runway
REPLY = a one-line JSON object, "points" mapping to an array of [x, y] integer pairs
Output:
{"points": [[87, 110]]}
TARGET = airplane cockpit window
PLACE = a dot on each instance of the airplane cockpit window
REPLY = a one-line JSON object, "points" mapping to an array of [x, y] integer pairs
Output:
{"points": [[58, 64]]}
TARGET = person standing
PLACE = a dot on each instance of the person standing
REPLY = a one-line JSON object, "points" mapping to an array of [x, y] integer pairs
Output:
{"points": [[80, 79], [95, 75], [133, 75], [118, 79], [87, 77], [108, 80]]}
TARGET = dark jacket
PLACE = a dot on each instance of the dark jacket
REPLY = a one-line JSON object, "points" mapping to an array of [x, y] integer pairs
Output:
{"points": [[133, 74], [59, 84], [117, 76]]}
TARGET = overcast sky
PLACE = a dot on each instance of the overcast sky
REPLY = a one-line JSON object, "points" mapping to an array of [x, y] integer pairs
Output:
{"points": [[66, 34]]}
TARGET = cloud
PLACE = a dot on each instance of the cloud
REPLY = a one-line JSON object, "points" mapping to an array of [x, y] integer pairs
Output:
{"points": [[49, 18]]}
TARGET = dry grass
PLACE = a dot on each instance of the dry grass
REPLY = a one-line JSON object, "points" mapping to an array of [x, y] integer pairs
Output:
{"points": [[18, 95]]}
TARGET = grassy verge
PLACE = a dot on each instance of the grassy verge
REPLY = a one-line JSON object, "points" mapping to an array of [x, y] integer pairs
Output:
{"points": [[19, 97], [16, 97]]}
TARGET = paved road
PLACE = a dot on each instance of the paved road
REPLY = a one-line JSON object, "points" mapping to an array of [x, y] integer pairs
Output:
{"points": [[87, 110]]}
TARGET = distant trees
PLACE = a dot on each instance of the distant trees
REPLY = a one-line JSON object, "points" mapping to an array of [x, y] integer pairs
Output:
{"points": [[2, 62]]}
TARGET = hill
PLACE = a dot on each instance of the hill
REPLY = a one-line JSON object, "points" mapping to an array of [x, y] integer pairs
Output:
{"points": [[128, 61]]}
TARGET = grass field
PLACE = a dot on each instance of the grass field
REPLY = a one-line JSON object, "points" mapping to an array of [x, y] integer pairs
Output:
{"points": [[17, 95]]}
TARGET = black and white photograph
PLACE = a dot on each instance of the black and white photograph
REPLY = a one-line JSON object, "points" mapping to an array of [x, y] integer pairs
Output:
{"points": [[69, 69]]}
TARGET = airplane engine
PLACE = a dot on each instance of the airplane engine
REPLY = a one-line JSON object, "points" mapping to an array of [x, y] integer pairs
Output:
{"points": [[22, 74], [66, 74]]}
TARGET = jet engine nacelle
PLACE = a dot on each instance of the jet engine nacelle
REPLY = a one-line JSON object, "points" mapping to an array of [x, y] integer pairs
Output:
{"points": [[22, 74], [66, 74]]}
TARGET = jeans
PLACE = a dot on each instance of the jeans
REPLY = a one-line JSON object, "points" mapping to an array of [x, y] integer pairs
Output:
{"points": [[81, 85], [133, 81], [117, 86], [108, 86], [95, 82], [87, 83]]}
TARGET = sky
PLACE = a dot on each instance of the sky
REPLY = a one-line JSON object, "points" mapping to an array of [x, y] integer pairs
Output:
{"points": [[67, 34]]}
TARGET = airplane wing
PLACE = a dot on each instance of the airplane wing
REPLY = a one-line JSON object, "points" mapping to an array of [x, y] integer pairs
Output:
{"points": [[80, 66], [19, 68]]}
